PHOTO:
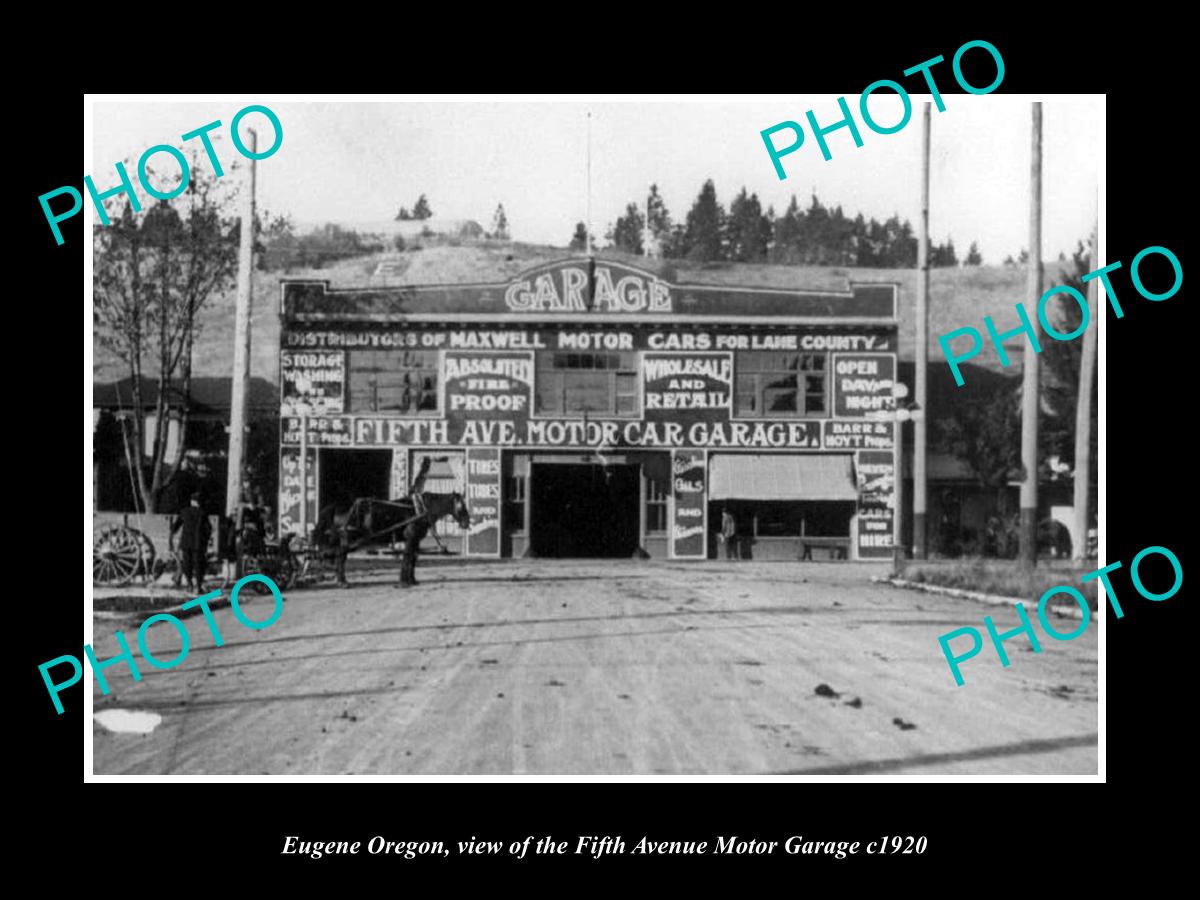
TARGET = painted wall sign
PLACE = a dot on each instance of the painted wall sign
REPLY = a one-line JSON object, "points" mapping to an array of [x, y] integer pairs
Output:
{"points": [[313, 382], [689, 525], [375, 431], [487, 385], [580, 288], [398, 483], [683, 385], [876, 500], [870, 434], [483, 500], [323, 431], [291, 491], [863, 383], [648, 337]]}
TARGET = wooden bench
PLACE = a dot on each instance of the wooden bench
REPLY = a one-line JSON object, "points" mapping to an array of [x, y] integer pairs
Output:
{"points": [[839, 546]]}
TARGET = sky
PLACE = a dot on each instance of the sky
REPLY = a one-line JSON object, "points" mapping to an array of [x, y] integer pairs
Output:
{"points": [[359, 162]]}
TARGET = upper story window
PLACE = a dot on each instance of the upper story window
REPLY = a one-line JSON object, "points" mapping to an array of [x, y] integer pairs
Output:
{"points": [[604, 383], [773, 384], [392, 380]]}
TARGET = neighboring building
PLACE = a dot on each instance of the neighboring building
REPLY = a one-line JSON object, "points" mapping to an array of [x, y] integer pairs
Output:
{"points": [[597, 408], [204, 456]]}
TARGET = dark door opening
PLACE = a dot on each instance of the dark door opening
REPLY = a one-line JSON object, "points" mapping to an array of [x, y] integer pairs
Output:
{"points": [[348, 474], [584, 510]]}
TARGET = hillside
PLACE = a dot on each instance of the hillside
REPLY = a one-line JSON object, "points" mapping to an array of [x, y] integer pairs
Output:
{"points": [[958, 296]]}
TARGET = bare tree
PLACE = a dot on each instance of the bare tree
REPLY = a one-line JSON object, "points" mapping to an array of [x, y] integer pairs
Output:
{"points": [[152, 274]]}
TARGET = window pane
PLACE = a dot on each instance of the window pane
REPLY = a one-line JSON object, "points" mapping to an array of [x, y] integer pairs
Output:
{"points": [[587, 392], [780, 381], [549, 392], [402, 381], [626, 405], [779, 401]]}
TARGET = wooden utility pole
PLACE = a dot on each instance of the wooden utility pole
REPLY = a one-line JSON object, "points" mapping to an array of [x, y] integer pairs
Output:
{"points": [[899, 551], [241, 341], [1030, 398], [1083, 416], [921, 391]]}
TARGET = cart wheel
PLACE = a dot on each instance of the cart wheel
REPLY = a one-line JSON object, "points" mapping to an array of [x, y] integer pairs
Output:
{"points": [[285, 573], [279, 571], [119, 553]]}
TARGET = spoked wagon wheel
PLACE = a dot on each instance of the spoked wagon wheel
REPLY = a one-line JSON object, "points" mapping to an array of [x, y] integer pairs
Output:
{"points": [[279, 568], [119, 553]]}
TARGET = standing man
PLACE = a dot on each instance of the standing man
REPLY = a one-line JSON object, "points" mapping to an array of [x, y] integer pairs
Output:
{"points": [[729, 534], [194, 532]]}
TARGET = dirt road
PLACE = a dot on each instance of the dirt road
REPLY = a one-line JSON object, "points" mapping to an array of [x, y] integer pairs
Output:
{"points": [[547, 667]]}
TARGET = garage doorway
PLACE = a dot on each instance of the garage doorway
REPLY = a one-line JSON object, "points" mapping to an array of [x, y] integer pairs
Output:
{"points": [[584, 511], [348, 474]]}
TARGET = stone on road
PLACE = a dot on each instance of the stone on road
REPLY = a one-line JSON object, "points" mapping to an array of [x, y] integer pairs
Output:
{"points": [[609, 667]]}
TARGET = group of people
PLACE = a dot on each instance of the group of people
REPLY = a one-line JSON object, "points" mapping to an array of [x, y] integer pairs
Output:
{"points": [[243, 534]]}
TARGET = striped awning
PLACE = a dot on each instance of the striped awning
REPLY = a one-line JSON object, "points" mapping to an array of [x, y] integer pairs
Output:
{"points": [[781, 476]]}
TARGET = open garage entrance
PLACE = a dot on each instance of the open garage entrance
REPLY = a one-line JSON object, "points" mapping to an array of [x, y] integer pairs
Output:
{"points": [[584, 510], [347, 474]]}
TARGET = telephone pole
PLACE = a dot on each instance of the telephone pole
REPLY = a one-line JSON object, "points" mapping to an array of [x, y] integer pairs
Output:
{"points": [[1030, 399], [241, 341], [921, 393], [1083, 416]]}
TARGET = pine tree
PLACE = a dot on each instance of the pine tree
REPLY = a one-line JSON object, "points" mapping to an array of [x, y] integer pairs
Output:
{"points": [[860, 242], [943, 255], [626, 234], [404, 215], [579, 240], [746, 238], [787, 233], [422, 210], [974, 258], [841, 239], [705, 225], [814, 234], [659, 221], [500, 224], [676, 245]]}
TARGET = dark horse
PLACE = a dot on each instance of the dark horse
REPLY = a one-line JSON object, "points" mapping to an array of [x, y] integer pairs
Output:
{"points": [[338, 533]]}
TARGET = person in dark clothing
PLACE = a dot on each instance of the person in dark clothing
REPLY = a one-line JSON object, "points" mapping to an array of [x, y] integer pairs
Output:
{"points": [[194, 532], [729, 535]]}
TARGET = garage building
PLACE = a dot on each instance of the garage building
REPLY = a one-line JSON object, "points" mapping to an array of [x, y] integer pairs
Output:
{"points": [[590, 408]]}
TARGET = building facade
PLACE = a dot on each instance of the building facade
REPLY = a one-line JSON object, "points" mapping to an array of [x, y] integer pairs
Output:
{"points": [[588, 407]]}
